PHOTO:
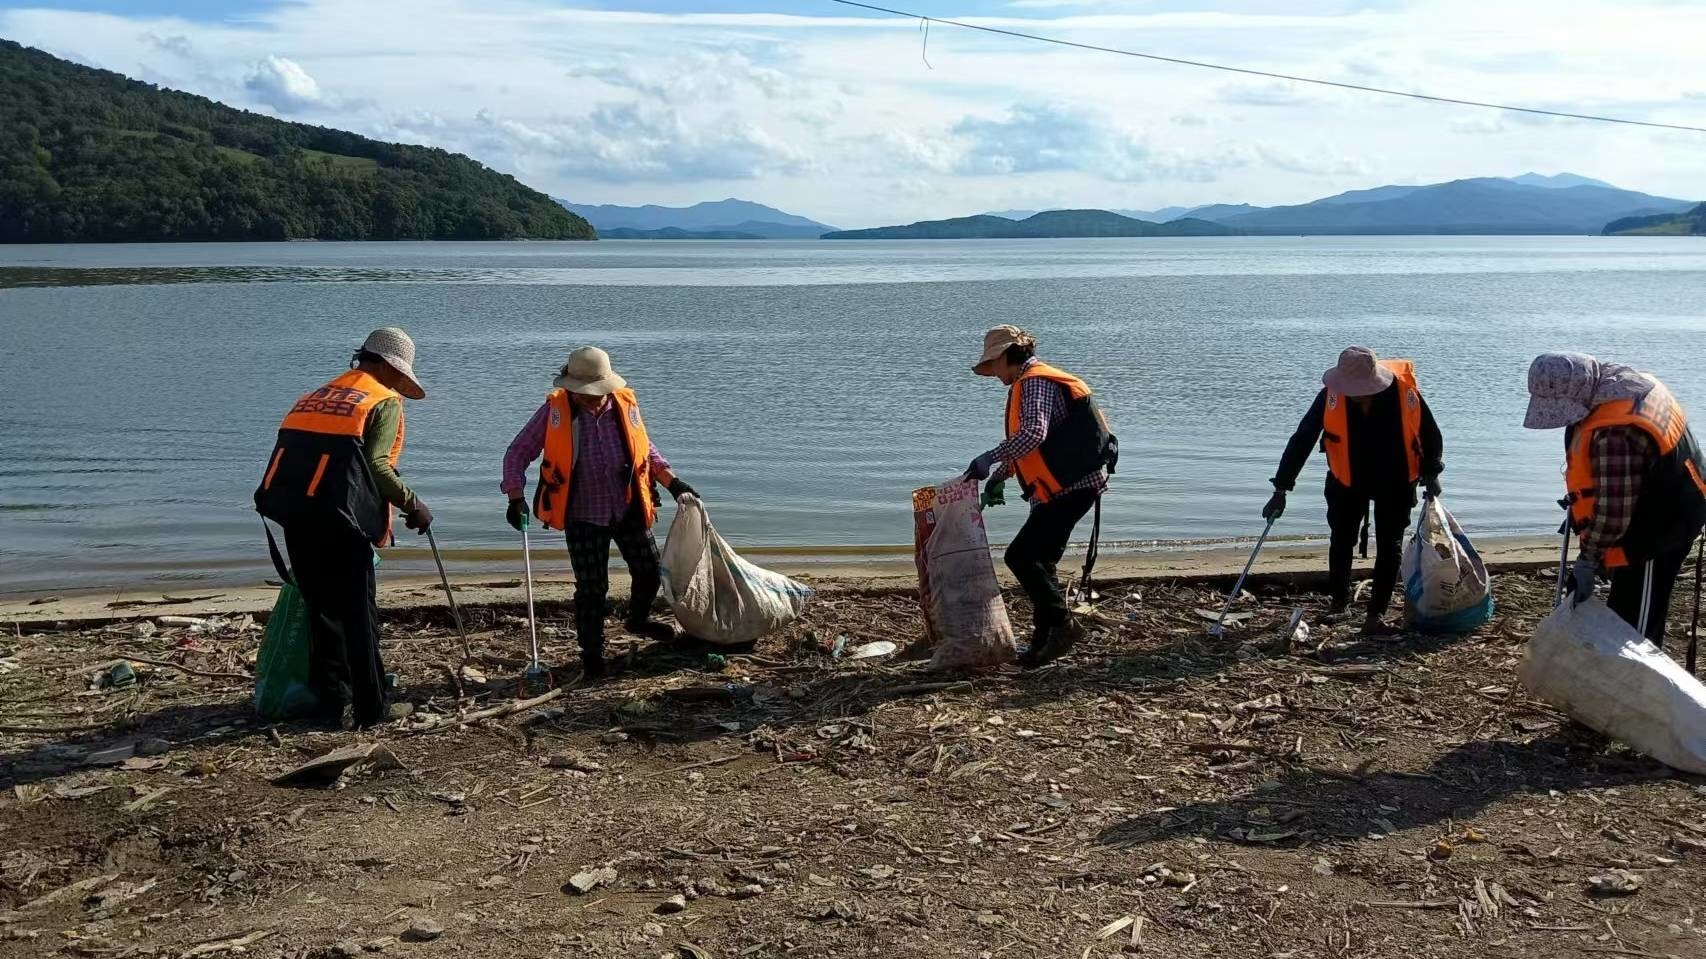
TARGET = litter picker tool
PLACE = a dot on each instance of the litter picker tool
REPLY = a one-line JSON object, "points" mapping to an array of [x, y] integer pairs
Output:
{"points": [[536, 677], [455, 611], [1694, 627], [1563, 557], [1219, 628], [1083, 591]]}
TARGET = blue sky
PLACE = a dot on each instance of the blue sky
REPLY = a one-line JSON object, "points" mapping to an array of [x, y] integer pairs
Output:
{"points": [[834, 113]]}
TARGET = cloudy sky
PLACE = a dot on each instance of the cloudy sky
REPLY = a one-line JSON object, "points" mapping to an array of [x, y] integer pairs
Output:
{"points": [[852, 118]]}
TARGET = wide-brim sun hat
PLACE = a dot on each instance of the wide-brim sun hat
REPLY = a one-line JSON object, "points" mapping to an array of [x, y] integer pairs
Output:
{"points": [[996, 342], [1358, 373], [398, 351], [588, 372], [1560, 390]]}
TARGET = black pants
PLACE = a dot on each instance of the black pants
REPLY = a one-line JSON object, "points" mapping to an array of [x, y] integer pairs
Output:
{"points": [[1628, 583], [1034, 555], [1345, 512], [589, 556], [333, 567]]}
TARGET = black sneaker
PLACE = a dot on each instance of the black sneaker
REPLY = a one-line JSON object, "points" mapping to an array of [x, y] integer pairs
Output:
{"points": [[1050, 644], [592, 666], [649, 629]]}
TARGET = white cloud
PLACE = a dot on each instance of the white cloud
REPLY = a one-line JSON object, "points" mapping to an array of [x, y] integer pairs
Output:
{"points": [[282, 84], [1314, 164], [826, 113]]}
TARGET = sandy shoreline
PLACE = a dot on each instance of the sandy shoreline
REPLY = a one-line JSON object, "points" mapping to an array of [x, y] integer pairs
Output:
{"points": [[412, 589]]}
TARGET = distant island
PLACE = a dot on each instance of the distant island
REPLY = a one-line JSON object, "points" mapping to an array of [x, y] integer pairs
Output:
{"points": [[1051, 224], [729, 219], [91, 155], [1692, 223]]}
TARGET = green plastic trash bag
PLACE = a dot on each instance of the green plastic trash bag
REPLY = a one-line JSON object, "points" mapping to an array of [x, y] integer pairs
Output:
{"points": [[281, 669]]}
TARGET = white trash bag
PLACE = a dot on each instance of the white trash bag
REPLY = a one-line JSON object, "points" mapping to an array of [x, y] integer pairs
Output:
{"points": [[1446, 585], [717, 596], [965, 617], [1596, 668]]}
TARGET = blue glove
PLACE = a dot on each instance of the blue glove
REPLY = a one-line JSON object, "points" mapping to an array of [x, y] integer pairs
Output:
{"points": [[1582, 580], [994, 494], [980, 468]]}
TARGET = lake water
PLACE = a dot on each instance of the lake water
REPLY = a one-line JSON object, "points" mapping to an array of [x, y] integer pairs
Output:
{"points": [[805, 388]]}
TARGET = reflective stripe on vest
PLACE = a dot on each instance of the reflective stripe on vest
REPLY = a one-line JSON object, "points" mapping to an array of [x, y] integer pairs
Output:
{"points": [[1657, 414], [1032, 473], [551, 498], [1335, 425], [340, 408]]}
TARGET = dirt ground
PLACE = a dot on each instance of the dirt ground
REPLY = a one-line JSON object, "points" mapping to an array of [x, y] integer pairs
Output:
{"points": [[1158, 793]]}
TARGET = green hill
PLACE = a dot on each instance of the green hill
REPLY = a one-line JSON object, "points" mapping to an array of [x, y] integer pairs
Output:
{"points": [[1053, 223], [1692, 223], [89, 155]]}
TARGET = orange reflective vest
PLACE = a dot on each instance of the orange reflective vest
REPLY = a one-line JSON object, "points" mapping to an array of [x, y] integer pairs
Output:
{"points": [[1076, 447], [319, 466], [1673, 492], [1335, 425], [551, 498]]}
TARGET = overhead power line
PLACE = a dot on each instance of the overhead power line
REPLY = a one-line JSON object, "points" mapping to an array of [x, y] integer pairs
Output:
{"points": [[1361, 88]]}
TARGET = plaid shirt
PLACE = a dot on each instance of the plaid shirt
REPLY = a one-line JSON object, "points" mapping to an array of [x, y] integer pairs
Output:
{"points": [[1042, 405], [598, 490], [1621, 455]]}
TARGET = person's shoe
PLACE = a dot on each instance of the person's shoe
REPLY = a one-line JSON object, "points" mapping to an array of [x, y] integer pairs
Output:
{"points": [[1375, 626], [592, 666], [1050, 644], [346, 717], [399, 711], [650, 629]]}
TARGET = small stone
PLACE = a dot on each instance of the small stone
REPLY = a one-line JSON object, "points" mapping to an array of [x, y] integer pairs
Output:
{"points": [[587, 880], [424, 929], [709, 887], [652, 930], [152, 747], [611, 739], [346, 949], [674, 904], [752, 891]]}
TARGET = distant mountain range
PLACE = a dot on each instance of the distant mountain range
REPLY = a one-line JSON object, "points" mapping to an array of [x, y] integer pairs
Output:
{"points": [[1532, 203], [1053, 223], [711, 220], [1691, 223]]}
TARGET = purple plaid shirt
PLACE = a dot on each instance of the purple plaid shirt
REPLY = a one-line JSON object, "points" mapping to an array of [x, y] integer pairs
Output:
{"points": [[1042, 404], [598, 490]]}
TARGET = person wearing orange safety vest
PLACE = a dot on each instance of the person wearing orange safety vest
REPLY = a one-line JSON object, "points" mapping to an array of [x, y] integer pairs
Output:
{"points": [[1059, 448], [1381, 441], [595, 486], [331, 482], [1635, 479]]}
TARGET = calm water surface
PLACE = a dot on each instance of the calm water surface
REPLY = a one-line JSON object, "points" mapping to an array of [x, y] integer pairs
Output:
{"points": [[804, 388]]}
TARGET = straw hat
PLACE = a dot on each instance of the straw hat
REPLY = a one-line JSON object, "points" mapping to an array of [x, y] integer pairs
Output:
{"points": [[1359, 373], [398, 351], [588, 373], [996, 342]]}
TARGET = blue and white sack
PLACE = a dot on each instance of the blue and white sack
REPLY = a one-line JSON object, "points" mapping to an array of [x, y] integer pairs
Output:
{"points": [[717, 596], [1446, 587]]}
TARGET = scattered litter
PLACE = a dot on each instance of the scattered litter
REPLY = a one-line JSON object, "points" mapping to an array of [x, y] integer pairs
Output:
{"points": [[872, 650], [674, 904], [328, 768], [1617, 882]]}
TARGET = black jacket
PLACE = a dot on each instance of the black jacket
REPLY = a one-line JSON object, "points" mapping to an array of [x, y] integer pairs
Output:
{"points": [[1379, 465]]}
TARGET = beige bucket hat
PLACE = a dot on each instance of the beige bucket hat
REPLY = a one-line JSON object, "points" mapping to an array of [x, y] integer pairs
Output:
{"points": [[398, 351], [588, 372], [996, 342], [1359, 373]]}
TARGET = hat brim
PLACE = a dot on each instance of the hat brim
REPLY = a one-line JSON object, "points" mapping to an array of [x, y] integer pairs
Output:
{"points": [[990, 355], [603, 386], [1354, 386], [1553, 413], [411, 386]]}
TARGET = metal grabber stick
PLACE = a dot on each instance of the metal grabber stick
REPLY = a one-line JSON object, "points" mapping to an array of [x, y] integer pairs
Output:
{"points": [[1563, 557], [1219, 628], [536, 674], [455, 611]]}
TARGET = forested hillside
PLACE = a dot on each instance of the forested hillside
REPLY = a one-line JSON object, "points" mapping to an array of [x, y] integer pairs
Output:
{"points": [[90, 155]]}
